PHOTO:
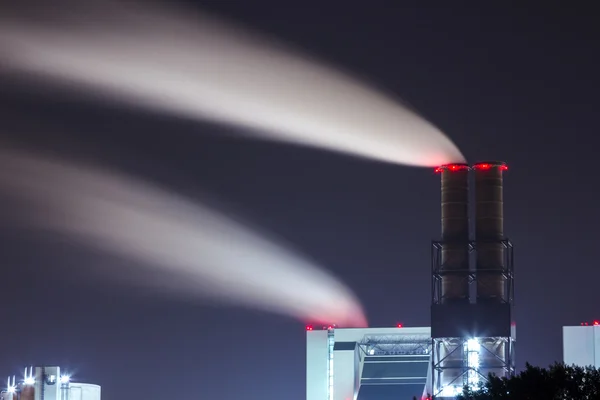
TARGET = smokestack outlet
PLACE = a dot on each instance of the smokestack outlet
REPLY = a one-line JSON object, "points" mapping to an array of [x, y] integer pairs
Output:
{"points": [[489, 231], [455, 233]]}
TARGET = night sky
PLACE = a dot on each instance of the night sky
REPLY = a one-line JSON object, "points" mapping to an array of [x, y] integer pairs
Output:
{"points": [[513, 84]]}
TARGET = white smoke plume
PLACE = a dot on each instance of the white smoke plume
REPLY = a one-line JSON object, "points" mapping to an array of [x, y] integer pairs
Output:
{"points": [[182, 62], [203, 253]]}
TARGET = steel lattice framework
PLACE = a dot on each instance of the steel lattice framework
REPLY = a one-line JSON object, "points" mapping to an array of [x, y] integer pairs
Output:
{"points": [[398, 344]]}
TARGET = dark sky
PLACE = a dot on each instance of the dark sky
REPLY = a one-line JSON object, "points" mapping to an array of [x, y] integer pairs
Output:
{"points": [[516, 84]]}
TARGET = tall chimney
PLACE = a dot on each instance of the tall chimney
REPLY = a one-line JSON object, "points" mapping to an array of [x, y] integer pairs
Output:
{"points": [[454, 254], [489, 232]]}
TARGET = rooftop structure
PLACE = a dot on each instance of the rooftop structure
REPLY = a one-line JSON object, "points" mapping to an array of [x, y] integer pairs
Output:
{"points": [[48, 383]]}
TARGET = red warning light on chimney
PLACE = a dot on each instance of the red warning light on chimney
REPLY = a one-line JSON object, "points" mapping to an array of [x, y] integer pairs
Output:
{"points": [[484, 166], [452, 168]]}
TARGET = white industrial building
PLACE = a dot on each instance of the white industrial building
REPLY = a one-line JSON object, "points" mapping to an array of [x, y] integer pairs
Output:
{"points": [[367, 363], [581, 345], [48, 383]]}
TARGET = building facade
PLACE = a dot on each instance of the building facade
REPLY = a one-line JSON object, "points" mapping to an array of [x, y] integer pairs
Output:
{"points": [[581, 345], [367, 363]]}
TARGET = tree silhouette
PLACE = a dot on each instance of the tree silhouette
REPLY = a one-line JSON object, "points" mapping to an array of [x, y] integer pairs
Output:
{"points": [[557, 382]]}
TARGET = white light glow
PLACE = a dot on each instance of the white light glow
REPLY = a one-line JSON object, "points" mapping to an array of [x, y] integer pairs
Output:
{"points": [[473, 345], [10, 385], [450, 391], [64, 379], [473, 348], [181, 62], [28, 378]]}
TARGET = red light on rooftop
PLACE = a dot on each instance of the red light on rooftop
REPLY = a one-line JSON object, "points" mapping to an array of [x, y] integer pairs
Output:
{"points": [[330, 327], [504, 167], [398, 325], [596, 323], [309, 327]]}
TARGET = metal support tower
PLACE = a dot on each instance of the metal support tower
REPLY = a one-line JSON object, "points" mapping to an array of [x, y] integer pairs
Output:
{"points": [[473, 340]]}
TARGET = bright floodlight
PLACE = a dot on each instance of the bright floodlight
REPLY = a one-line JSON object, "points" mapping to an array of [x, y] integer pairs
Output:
{"points": [[64, 379], [28, 378], [11, 387], [473, 345]]}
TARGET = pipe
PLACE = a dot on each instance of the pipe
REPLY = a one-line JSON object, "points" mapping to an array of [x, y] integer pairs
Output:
{"points": [[454, 263], [489, 231]]}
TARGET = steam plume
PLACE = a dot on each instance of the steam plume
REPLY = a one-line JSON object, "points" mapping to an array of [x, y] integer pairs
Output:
{"points": [[203, 252], [189, 64]]}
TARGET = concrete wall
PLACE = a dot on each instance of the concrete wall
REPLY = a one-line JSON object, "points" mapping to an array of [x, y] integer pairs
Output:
{"points": [[316, 365], [344, 375], [581, 345]]}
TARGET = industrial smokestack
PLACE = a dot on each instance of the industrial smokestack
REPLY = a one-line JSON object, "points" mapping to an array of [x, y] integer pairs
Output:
{"points": [[454, 254], [489, 231]]}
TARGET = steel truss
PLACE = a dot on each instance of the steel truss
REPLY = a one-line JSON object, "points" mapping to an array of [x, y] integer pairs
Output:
{"points": [[450, 357], [507, 272], [449, 354], [387, 345]]}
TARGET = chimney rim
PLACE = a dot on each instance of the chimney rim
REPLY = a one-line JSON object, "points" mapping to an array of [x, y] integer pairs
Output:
{"points": [[453, 167]]}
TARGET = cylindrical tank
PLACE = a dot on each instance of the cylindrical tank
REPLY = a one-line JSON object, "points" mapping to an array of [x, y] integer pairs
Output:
{"points": [[28, 392], [84, 391], [454, 263], [489, 231]]}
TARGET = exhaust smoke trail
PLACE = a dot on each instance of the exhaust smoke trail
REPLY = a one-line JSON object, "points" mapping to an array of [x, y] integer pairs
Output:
{"points": [[202, 252], [178, 61]]}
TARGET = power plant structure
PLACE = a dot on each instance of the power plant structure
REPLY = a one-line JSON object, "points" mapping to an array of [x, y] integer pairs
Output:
{"points": [[367, 363], [472, 329], [581, 344], [48, 383], [472, 332]]}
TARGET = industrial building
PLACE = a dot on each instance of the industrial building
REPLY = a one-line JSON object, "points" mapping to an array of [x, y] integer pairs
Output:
{"points": [[367, 363], [581, 344], [472, 331], [48, 383]]}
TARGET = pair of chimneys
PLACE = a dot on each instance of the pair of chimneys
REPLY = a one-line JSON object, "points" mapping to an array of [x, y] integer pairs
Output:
{"points": [[455, 270]]}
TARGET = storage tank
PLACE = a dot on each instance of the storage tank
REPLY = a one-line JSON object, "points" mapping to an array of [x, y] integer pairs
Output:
{"points": [[27, 392], [84, 391]]}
